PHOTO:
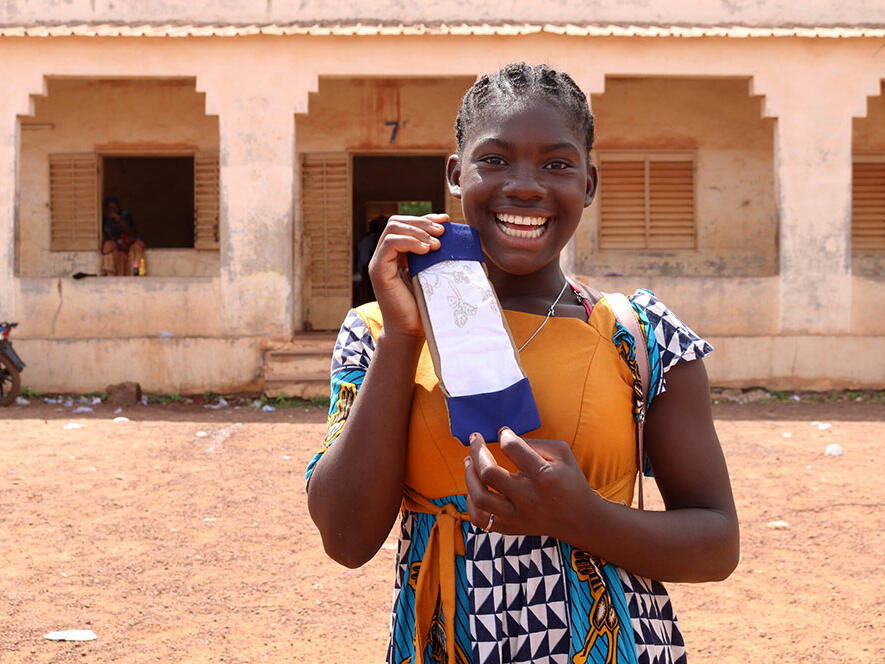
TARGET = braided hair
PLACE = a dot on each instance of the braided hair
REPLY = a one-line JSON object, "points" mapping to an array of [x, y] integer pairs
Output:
{"points": [[517, 82]]}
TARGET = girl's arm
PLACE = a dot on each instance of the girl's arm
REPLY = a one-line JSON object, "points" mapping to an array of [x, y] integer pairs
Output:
{"points": [[694, 539], [355, 489]]}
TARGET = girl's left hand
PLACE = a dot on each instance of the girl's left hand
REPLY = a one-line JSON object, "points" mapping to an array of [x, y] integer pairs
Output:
{"points": [[542, 497]]}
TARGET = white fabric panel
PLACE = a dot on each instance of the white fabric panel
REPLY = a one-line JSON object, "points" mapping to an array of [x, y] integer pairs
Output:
{"points": [[475, 352]]}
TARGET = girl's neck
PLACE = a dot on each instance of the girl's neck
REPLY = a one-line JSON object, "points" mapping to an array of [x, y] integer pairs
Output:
{"points": [[531, 293]]}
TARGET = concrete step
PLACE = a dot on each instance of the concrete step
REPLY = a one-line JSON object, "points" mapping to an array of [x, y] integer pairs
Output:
{"points": [[294, 387], [299, 367], [298, 364]]}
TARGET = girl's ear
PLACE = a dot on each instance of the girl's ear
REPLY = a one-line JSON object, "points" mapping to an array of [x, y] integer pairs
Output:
{"points": [[453, 175], [592, 183]]}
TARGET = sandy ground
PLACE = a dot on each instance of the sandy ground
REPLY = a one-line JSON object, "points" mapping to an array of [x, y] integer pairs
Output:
{"points": [[178, 547]]}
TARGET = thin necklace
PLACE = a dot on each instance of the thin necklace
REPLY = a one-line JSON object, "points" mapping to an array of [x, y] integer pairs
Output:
{"points": [[546, 318]]}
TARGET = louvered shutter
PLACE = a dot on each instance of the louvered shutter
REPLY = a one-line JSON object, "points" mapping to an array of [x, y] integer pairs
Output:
{"points": [[326, 238], [73, 202], [453, 208], [206, 200], [622, 193], [868, 206], [671, 205], [646, 202]]}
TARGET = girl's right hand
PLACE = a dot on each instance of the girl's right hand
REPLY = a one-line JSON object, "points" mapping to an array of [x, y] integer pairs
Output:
{"points": [[390, 274]]}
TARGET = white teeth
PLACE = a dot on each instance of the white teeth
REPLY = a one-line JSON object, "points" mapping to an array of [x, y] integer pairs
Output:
{"points": [[522, 221], [535, 226]]}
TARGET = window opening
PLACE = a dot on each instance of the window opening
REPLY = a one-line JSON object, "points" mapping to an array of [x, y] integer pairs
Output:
{"points": [[158, 193]]}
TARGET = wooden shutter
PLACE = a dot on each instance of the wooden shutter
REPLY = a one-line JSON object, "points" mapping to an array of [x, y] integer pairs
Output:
{"points": [[646, 202], [73, 202], [671, 205], [622, 194], [868, 206], [453, 208], [326, 238], [206, 200]]}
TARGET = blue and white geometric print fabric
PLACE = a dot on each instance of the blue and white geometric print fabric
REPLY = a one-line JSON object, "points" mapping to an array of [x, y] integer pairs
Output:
{"points": [[676, 342], [355, 346], [353, 351]]}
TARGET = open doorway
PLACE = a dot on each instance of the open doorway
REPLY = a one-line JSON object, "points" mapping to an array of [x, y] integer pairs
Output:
{"points": [[384, 186], [159, 194]]}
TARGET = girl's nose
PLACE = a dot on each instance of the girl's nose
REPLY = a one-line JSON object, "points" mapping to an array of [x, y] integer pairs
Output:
{"points": [[525, 184]]}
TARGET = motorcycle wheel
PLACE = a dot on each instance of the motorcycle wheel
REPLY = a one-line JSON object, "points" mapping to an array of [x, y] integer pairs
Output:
{"points": [[10, 381]]}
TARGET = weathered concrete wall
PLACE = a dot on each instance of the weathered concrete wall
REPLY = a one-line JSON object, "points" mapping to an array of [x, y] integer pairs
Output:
{"points": [[188, 366], [117, 307], [351, 114], [745, 12], [735, 207], [133, 116]]}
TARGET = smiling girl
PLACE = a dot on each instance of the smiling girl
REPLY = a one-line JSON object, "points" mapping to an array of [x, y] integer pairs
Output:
{"points": [[526, 549]]}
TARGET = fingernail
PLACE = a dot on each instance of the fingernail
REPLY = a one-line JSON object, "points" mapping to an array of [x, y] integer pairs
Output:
{"points": [[467, 462], [473, 437], [437, 227]]}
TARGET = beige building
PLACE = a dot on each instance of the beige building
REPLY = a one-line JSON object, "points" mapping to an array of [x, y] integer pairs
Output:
{"points": [[742, 164]]}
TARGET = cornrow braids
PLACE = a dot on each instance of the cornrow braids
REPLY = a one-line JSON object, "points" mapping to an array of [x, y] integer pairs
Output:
{"points": [[517, 82]]}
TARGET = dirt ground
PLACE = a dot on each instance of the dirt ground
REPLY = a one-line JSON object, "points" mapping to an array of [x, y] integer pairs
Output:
{"points": [[183, 536]]}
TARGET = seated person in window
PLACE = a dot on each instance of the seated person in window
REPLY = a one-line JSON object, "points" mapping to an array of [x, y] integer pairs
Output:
{"points": [[123, 244]]}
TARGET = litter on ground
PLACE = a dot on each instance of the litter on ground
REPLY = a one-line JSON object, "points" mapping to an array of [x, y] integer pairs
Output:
{"points": [[71, 635], [833, 449]]}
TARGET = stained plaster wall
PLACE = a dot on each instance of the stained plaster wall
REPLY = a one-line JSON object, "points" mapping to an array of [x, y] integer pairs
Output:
{"points": [[735, 207], [112, 116], [351, 114]]}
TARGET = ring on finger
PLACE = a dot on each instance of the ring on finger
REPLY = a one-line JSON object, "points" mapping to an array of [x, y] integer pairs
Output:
{"points": [[488, 527]]}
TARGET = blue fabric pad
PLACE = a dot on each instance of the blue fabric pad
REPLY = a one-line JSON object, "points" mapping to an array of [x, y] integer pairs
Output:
{"points": [[459, 242], [513, 407]]}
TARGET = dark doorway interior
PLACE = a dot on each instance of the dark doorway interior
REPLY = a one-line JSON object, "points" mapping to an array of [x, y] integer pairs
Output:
{"points": [[389, 185], [159, 193]]}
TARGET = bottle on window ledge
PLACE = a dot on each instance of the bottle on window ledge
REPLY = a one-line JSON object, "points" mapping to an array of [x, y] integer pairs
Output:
{"points": [[135, 266], [141, 267]]}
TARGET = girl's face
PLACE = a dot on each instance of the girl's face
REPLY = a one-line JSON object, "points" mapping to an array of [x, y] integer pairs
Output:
{"points": [[525, 178]]}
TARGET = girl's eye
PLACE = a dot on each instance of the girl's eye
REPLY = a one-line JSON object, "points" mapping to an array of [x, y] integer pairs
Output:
{"points": [[557, 165], [493, 160]]}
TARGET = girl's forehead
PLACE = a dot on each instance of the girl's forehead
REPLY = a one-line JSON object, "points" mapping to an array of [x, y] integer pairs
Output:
{"points": [[525, 122]]}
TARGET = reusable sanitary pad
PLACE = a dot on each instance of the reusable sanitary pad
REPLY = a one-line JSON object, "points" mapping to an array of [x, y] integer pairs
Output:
{"points": [[473, 352]]}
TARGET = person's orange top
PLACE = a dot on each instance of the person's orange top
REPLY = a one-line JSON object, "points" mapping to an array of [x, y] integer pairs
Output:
{"points": [[584, 393], [583, 389]]}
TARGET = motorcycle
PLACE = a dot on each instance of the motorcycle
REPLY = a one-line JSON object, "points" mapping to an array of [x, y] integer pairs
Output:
{"points": [[11, 366]]}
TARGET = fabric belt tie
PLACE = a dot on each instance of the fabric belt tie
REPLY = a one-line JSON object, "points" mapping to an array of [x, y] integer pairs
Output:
{"points": [[436, 578]]}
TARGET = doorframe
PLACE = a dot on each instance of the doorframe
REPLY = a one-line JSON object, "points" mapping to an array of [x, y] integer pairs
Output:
{"points": [[298, 230]]}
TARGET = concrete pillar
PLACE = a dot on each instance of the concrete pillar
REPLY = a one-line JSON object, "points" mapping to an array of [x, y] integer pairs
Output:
{"points": [[257, 174], [814, 106], [15, 101]]}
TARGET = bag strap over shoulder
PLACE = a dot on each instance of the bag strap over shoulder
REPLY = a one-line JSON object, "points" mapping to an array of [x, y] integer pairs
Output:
{"points": [[626, 316]]}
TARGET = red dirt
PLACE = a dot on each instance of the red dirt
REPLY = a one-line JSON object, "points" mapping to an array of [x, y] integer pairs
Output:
{"points": [[178, 548]]}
